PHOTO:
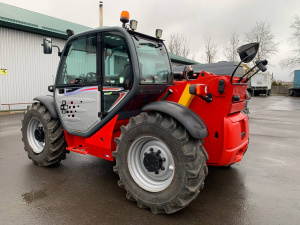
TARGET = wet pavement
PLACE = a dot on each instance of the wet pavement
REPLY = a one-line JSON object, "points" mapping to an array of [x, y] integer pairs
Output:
{"points": [[262, 189]]}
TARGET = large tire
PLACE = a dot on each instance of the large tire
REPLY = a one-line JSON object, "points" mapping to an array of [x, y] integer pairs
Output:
{"points": [[43, 136], [185, 163]]}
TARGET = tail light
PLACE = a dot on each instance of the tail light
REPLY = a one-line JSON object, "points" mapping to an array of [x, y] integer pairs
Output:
{"points": [[198, 89]]}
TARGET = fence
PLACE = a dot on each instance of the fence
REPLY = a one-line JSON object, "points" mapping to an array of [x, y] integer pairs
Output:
{"points": [[284, 89], [15, 104]]}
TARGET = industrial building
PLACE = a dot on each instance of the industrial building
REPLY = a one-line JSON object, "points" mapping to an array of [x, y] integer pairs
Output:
{"points": [[25, 71]]}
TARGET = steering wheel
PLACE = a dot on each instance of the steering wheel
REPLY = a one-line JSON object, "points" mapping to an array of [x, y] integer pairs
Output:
{"points": [[91, 77], [82, 76]]}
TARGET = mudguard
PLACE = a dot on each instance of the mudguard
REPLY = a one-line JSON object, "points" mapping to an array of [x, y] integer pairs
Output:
{"points": [[188, 118], [48, 102]]}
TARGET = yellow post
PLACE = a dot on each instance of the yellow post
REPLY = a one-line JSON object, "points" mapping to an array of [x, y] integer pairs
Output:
{"points": [[186, 98]]}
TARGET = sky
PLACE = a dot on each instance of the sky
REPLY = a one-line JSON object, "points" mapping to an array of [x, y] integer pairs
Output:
{"points": [[198, 20]]}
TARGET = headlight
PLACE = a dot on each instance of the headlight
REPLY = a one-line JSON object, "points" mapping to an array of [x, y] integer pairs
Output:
{"points": [[158, 33], [133, 24]]}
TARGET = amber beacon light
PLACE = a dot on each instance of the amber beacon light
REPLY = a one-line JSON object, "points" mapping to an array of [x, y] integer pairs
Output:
{"points": [[124, 18]]}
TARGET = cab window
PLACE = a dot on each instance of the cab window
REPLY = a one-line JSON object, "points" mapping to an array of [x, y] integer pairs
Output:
{"points": [[79, 62], [153, 61], [118, 70]]}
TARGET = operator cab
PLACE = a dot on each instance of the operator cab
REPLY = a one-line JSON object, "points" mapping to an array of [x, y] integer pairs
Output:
{"points": [[108, 71]]}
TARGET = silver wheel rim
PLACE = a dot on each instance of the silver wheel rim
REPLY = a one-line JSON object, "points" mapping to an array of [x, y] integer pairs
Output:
{"points": [[36, 145], [150, 181]]}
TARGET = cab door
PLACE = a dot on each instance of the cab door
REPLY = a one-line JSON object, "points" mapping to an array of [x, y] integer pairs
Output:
{"points": [[78, 87], [117, 70]]}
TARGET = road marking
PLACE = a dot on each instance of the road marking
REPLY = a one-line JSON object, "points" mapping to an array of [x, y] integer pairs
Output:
{"points": [[7, 133], [1, 124]]}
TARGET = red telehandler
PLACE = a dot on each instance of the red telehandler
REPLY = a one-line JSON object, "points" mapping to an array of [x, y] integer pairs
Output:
{"points": [[115, 97]]}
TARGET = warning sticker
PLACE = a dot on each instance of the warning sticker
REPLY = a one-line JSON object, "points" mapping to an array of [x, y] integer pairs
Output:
{"points": [[3, 71]]}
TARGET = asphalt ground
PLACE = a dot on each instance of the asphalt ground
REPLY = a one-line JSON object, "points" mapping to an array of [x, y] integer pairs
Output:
{"points": [[262, 189]]}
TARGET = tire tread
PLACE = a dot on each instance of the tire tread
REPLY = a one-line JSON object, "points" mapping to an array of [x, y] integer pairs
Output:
{"points": [[56, 145], [193, 151]]}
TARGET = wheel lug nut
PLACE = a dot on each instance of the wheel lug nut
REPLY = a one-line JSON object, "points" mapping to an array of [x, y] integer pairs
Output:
{"points": [[163, 159], [158, 152], [156, 172], [151, 149], [162, 168], [145, 153]]}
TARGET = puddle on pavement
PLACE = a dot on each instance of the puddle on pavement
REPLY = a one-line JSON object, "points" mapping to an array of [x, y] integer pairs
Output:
{"points": [[34, 195]]}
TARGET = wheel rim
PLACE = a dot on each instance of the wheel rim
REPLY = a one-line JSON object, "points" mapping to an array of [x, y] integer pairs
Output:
{"points": [[36, 135], [151, 164]]}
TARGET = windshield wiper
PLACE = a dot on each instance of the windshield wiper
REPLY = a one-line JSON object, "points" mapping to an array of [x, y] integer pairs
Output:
{"points": [[152, 45]]}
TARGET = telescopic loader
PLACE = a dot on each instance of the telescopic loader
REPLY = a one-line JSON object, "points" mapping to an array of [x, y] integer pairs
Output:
{"points": [[115, 98]]}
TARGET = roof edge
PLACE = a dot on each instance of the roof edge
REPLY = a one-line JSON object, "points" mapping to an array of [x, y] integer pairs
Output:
{"points": [[44, 14], [34, 30]]}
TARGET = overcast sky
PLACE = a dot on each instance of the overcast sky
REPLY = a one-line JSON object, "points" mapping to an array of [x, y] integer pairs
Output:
{"points": [[198, 20]]}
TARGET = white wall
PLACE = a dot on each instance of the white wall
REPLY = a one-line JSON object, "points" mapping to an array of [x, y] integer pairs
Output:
{"points": [[29, 70]]}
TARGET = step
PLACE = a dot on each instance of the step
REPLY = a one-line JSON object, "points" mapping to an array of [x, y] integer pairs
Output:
{"points": [[79, 150]]}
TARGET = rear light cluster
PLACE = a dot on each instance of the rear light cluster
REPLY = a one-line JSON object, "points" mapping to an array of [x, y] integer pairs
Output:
{"points": [[198, 89], [243, 129]]}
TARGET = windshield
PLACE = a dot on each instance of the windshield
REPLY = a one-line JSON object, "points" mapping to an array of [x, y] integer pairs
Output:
{"points": [[153, 61]]}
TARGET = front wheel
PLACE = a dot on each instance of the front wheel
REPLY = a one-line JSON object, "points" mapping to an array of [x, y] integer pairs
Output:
{"points": [[43, 136], [159, 164]]}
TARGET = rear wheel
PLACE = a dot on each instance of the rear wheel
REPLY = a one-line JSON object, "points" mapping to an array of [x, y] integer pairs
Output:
{"points": [[43, 136], [159, 164]]}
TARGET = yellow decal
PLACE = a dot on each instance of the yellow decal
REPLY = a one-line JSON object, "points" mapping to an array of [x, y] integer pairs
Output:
{"points": [[3, 71], [186, 98]]}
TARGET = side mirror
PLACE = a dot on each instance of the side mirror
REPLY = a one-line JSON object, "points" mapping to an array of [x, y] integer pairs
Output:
{"points": [[261, 64], [47, 44], [50, 88], [248, 52]]}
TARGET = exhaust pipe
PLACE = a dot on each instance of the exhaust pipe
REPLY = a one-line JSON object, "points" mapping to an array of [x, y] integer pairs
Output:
{"points": [[101, 13]]}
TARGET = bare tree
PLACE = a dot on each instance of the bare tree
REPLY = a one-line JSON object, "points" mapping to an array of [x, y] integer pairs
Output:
{"points": [[294, 61], [262, 34], [179, 45], [193, 57], [211, 50], [230, 49]]}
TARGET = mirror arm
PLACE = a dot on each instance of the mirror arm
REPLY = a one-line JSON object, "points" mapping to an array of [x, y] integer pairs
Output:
{"points": [[251, 75], [241, 78], [237, 68], [59, 52], [250, 71]]}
